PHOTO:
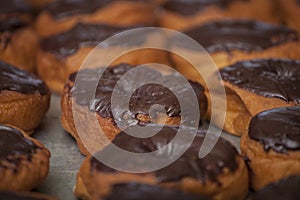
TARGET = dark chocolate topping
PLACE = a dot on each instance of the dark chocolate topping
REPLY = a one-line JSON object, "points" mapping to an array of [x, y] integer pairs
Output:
{"points": [[14, 79], [14, 6], [269, 78], [11, 24], [222, 156], [62, 9], [277, 129], [67, 43], [286, 189], [137, 191], [191, 7], [142, 99], [245, 35], [15, 196], [13, 143]]}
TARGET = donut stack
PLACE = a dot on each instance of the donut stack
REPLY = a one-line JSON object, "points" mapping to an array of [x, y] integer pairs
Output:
{"points": [[256, 50]]}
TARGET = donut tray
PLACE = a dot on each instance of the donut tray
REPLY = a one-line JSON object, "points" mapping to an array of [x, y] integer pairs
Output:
{"points": [[65, 156]]}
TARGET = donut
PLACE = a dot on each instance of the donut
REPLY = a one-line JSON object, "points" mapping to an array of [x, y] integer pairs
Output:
{"points": [[218, 175], [79, 100], [284, 189], [181, 14], [24, 99], [63, 54], [230, 41], [24, 196], [60, 16], [273, 140], [24, 162], [255, 86], [138, 191], [291, 10], [18, 41]]}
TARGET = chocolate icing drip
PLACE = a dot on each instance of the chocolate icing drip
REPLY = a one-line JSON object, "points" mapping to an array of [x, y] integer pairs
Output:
{"points": [[269, 78], [284, 189], [189, 164], [13, 143], [67, 43], [11, 24], [14, 6], [277, 129], [140, 101], [136, 191], [14, 79], [15, 196], [191, 7], [245, 35]]}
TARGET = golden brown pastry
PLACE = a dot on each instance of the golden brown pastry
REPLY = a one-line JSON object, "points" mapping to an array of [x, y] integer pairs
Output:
{"points": [[182, 14], [24, 99], [63, 54], [255, 86], [291, 12], [272, 145], [80, 101], [218, 175], [23, 196], [24, 162], [60, 16], [230, 41]]}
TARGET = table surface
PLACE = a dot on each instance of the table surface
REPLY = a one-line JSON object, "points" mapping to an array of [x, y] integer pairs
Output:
{"points": [[65, 157]]}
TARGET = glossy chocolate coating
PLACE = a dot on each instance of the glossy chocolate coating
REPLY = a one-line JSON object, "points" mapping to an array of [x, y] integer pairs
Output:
{"points": [[244, 35], [15, 196], [66, 8], [222, 156], [136, 191], [14, 6], [191, 7], [14, 79], [11, 24], [277, 129], [67, 43], [269, 78], [286, 189], [13, 143], [141, 100]]}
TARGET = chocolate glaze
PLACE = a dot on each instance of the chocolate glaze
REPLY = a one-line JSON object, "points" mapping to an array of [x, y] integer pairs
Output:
{"points": [[14, 6], [137, 191], [285, 189], [67, 8], [14, 79], [191, 7], [67, 43], [141, 100], [11, 24], [15, 196], [222, 156], [269, 78], [277, 129], [13, 143], [245, 35]]}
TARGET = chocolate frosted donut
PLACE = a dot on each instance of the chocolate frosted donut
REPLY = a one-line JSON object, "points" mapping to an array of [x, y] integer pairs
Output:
{"points": [[273, 140], [24, 98], [60, 16], [24, 162], [284, 189], [258, 85], [81, 98], [216, 175], [18, 42], [230, 41], [181, 14], [23, 196], [62, 54], [137, 191]]}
